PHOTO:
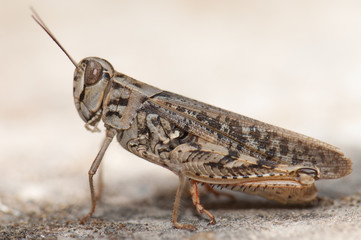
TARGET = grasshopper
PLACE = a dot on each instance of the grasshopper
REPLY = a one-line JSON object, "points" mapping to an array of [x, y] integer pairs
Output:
{"points": [[198, 142]]}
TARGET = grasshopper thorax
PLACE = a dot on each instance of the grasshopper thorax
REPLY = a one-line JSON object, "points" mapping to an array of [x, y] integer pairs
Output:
{"points": [[91, 80]]}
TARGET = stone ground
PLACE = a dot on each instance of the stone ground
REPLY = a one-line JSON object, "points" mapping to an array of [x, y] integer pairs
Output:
{"points": [[292, 64], [141, 209]]}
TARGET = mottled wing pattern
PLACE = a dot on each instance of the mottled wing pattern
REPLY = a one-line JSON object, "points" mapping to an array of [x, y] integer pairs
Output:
{"points": [[271, 145]]}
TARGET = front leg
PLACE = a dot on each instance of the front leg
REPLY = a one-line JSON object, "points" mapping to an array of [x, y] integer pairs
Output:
{"points": [[110, 133]]}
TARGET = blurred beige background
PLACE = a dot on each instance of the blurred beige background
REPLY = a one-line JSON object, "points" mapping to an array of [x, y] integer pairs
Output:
{"points": [[296, 64]]}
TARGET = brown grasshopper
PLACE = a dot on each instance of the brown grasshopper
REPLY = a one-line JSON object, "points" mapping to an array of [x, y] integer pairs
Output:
{"points": [[200, 143]]}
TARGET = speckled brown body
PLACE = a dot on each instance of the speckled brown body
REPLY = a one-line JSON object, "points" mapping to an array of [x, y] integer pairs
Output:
{"points": [[203, 143], [215, 146], [200, 142], [197, 141]]}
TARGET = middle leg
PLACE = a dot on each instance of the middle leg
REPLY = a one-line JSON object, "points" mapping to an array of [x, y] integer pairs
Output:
{"points": [[197, 204]]}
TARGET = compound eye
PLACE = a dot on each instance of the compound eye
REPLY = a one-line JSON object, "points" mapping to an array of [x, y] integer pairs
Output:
{"points": [[93, 72]]}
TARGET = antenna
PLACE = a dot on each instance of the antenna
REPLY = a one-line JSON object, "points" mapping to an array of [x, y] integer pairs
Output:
{"points": [[37, 19]]}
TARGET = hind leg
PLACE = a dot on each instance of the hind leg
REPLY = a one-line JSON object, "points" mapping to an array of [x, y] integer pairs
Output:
{"points": [[287, 192]]}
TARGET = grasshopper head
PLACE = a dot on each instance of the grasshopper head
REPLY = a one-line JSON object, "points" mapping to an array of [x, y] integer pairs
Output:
{"points": [[91, 79]]}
